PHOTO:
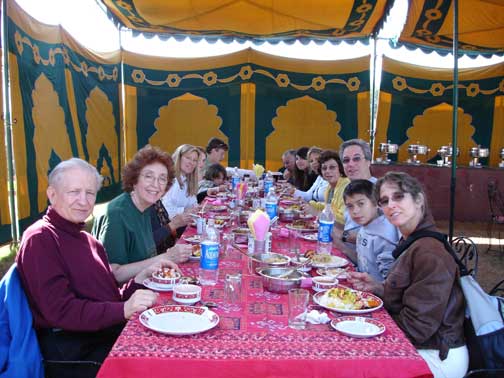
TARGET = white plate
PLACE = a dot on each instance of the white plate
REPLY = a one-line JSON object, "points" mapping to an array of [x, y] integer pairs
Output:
{"points": [[179, 320], [357, 326], [300, 229], [310, 237], [340, 273], [156, 286], [335, 262], [194, 239], [320, 299]]}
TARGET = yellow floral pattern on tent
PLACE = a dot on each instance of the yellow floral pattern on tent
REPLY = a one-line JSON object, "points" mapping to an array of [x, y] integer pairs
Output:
{"points": [[245, 73], [438, 89], [303, 121], [101, 131], [50, 132], [190, 118], [81, 66], [440, 118]]}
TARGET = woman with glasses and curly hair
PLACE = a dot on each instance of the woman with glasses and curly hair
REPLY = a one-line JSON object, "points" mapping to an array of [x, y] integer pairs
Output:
{"points": [[125, 228], [422, 290]]}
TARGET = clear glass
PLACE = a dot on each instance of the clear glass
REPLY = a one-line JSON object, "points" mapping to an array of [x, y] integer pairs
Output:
{"points": [[298, 308], [232, 288]]}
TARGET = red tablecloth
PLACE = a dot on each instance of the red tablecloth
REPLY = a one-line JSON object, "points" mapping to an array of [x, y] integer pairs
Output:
{"points": [[253, 340]]}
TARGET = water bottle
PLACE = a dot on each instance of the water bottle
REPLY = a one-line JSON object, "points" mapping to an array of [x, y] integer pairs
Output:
{"points": [[235, 179], [326, 223], [271, 203], [268, 183], [209, 261]]}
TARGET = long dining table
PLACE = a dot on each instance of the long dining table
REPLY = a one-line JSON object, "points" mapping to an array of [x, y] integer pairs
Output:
{"points": [[252, 338]]}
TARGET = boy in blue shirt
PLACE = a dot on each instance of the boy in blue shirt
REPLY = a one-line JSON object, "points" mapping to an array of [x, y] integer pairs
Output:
{"points": [[377, 238]]}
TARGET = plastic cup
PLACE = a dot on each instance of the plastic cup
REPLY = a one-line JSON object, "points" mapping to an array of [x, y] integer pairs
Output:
{"points": [[298, 308]]}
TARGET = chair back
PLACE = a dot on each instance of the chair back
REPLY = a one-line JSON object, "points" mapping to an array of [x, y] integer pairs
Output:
{"points": [[467, 252], [495, 200]]}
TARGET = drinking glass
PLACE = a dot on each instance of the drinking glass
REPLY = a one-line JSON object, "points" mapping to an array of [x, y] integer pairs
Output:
{"points": [[298, 307]]}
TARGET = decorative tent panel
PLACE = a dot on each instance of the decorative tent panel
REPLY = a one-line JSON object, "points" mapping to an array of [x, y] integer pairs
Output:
{"points": [[65, 102], [256, 20], [5, 222], [415, 108], [429, 25], [260, 104]]}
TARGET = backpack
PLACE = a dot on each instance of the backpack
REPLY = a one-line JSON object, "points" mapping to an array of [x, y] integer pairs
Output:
{"points": [[484, 322]]}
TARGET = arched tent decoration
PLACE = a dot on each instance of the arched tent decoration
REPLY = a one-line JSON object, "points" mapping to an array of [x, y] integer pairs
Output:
{"points": [[260, 104], [415, 101], [256, 21], [429, 26], [65, 102]]}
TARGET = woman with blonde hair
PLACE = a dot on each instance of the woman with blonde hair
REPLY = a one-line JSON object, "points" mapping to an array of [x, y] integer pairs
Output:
{"points": [[182, 194]]}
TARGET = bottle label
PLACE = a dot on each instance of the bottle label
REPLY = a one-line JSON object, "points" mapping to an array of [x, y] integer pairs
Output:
{"points": [[271, 210], [267, 185], [235, 180], [209, 255], [324, 231]]}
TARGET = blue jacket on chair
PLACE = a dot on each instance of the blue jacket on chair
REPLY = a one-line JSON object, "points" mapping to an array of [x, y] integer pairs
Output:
{"points": [[20, 354]]}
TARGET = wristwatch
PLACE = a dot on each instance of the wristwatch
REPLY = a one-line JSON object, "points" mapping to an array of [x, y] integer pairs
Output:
{"points": [[344, 236]]}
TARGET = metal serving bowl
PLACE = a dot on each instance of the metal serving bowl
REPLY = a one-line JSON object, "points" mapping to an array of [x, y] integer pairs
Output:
{"points": [[478, 152], [418, 149], [447, 151], [388, 148], [286, 215], [240, 235], [268, 260], [280, 280], [501, 153]]}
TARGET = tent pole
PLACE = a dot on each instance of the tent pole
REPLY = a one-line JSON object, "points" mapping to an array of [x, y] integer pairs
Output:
{"points": [[372, 125], [453, 183], [7, 117]]}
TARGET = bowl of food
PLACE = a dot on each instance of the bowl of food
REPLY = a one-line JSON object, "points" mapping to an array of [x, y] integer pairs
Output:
{"points": [[260, 260], [302, 264], [322, 283], [166, 276], [280, 280], [240, 235], [286, 215], [187, 293]]}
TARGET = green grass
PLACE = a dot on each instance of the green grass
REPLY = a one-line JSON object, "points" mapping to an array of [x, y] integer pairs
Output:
{"points": [[7, 256]]}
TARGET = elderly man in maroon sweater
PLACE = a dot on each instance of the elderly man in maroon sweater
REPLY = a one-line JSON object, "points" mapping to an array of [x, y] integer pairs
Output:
{"points": [[78, 308]]}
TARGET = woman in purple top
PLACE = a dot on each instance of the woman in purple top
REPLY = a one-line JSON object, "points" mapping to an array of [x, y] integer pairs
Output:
{"points": [[78, 307]]}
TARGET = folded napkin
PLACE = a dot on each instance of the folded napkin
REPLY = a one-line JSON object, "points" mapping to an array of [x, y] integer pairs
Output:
{"points": [[316, 317], [259, 224], [258, 170]]}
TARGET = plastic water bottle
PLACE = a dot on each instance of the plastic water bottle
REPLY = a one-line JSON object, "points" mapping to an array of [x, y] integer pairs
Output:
{"points": [[209, 261], [271, 203], [268, 183], [235, 179], [326, 223]]}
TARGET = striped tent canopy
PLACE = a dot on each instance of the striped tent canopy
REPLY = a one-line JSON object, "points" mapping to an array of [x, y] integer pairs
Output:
{"points": [[429, 26], [253, 20]]}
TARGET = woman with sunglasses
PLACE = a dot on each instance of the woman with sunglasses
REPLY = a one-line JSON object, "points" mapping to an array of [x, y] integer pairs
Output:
{"points": [[332, 171], [422, 291], [125, 228]]}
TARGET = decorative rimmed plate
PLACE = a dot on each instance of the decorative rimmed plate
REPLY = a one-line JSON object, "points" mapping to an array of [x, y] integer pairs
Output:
{"points": [[356, 326], [194, 239], [328, 261], [305, 227], [148, 283], [179, 320], [339, 273], [323, 300], [310, 237]]}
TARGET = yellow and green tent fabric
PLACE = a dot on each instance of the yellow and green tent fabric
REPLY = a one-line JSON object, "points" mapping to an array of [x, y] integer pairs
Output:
{"points": [[260, 104], [429, 25], [415, 108], [256, 20], [65, 103]]}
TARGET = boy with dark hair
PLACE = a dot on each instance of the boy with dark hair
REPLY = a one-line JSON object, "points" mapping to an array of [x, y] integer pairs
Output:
{"points": [[377, 238]]}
